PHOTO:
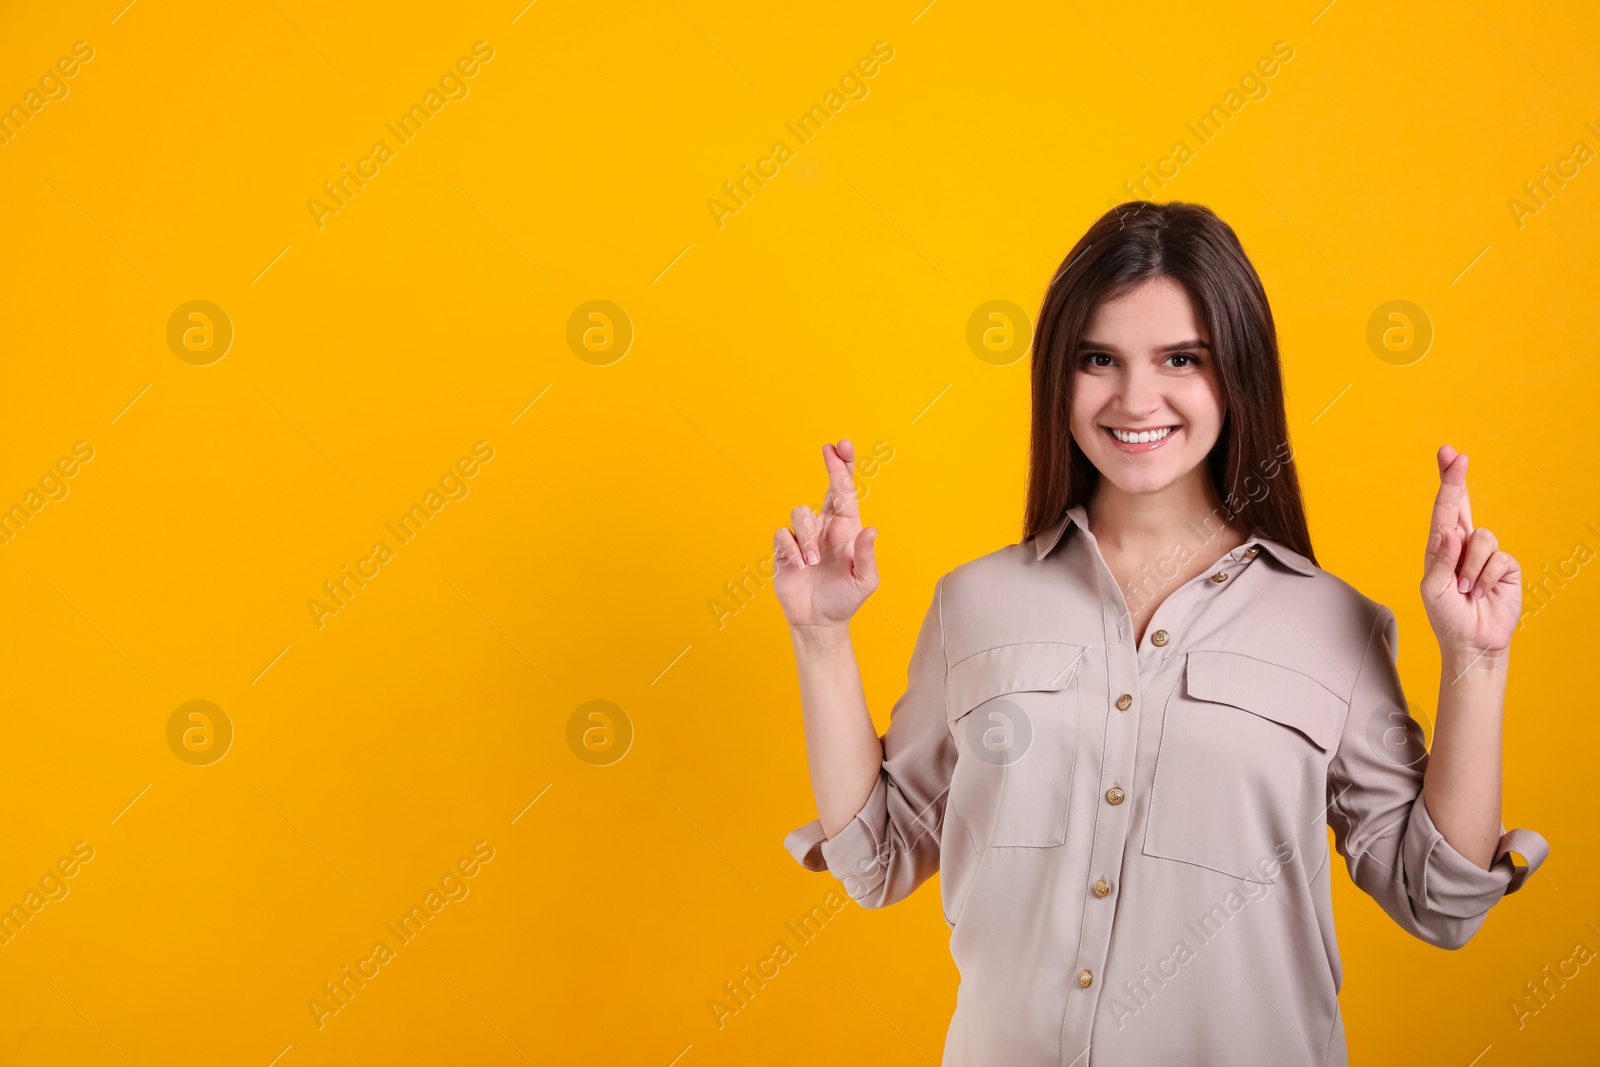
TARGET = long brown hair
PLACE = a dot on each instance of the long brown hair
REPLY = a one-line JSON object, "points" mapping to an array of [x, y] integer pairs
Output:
{"points": [[1251, 465]]}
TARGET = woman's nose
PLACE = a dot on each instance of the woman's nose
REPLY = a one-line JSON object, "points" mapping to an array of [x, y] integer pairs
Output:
{"points": [[1139, 392]]}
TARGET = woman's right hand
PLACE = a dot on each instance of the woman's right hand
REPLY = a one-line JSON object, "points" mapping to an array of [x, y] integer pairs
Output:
{"points": [[826, 564]]}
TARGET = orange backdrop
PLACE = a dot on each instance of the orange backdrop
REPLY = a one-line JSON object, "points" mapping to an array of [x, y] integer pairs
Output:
{"points": [[399, 401]]}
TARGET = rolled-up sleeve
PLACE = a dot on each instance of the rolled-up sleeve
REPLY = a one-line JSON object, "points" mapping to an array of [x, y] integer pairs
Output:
{"points": [[1381, 823], [891, 846]]}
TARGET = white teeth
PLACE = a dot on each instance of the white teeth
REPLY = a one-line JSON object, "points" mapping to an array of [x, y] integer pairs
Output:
{"points": [[1143, 437]]}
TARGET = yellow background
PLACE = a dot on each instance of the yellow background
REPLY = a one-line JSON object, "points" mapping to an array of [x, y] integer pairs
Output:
{"points": [[427, 315]]}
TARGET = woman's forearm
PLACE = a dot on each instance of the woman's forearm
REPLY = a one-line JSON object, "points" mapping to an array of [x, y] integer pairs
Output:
{"points": [[1462, 782], [842, 746]]}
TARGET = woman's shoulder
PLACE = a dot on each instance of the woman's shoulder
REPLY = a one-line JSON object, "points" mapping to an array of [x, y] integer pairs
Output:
{"points": [[1023, 567], [1331, 592], [1294, 612], [1012, 596], [1318, 624], [1011, 570]]}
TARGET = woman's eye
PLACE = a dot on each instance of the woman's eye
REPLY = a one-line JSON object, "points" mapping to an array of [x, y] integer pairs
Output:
{"points": [[1185, 355], [1090, 359]]}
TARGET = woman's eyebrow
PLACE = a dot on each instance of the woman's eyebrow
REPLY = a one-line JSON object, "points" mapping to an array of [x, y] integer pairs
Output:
{"points": [[1173, 347]]}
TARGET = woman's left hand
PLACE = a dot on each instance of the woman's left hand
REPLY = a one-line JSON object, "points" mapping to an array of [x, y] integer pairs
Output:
{"points": [[1477, 618]]}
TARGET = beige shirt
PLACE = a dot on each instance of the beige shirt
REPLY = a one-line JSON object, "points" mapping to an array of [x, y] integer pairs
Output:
{"points": [[1130, 837]]}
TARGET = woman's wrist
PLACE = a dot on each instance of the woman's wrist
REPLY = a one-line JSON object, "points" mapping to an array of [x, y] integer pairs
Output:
{"points": [[826, 639], [819, 637], [1458, 663]]}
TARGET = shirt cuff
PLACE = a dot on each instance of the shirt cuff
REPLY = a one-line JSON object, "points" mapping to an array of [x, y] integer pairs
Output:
{"points": [[853, 854], [805, 845], [1450, 884]]}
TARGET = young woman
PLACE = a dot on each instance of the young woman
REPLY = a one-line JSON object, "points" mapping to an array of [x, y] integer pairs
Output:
{"points": [[1121, 738]]}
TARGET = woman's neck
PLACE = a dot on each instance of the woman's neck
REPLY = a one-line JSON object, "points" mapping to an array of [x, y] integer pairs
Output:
{"points": [[1141, 525]]}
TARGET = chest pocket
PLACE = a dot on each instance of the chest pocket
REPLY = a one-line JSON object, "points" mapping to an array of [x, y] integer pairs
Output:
{"points": [[1242, 767], [1013, 712]]}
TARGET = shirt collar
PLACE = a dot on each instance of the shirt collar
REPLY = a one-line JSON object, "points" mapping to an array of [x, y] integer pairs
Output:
{"points": [[1047, 538]]}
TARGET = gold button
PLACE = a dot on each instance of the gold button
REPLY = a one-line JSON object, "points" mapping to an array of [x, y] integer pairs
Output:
{"points": [[1102, 887], [1158, 638], [1250, 553], [1114, 795], [1085, 979], [1125, 701], [1219, 577]]}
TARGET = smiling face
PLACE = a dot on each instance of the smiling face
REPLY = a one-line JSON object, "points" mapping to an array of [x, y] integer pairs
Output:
{"points": [[1146, 406]]}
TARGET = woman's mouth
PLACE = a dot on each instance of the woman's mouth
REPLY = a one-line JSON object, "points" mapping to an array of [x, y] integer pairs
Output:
{"points": [[1147, 440]]}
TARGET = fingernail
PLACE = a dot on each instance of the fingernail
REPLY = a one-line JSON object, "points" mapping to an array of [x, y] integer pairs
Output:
{"points": [[1463, 585], [812, 557]]}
